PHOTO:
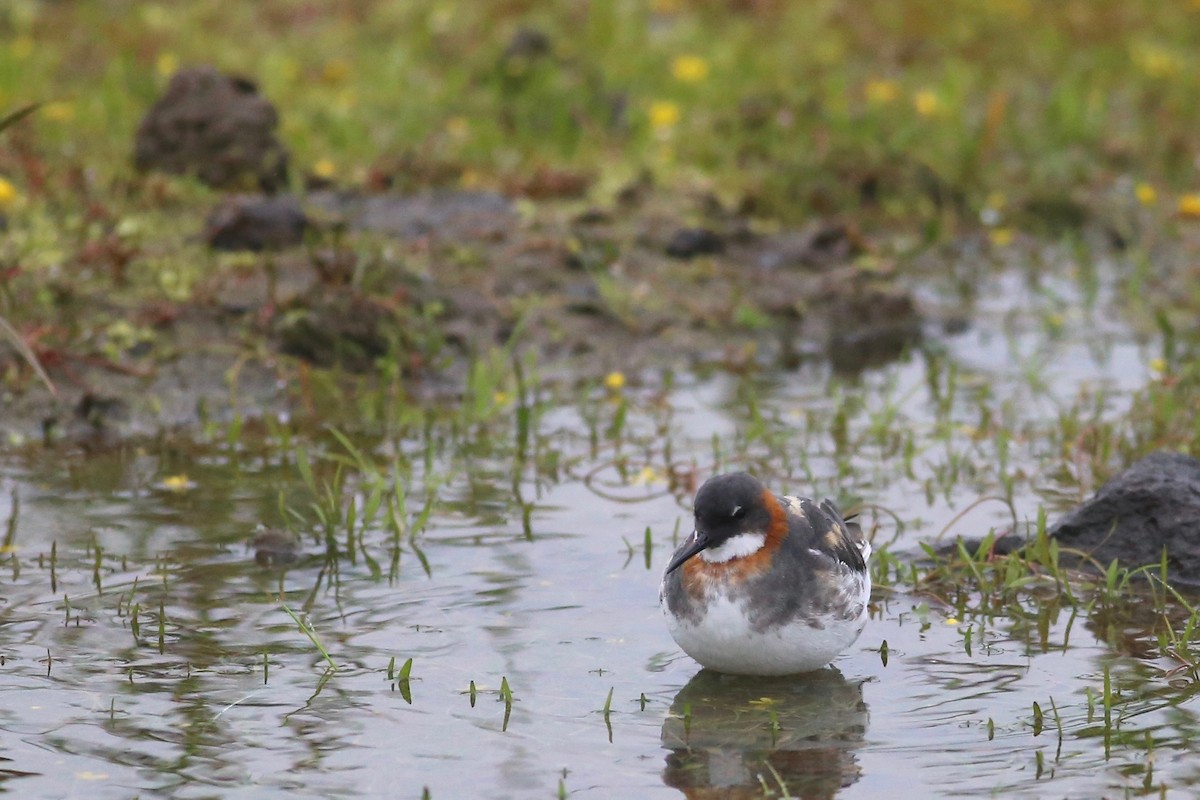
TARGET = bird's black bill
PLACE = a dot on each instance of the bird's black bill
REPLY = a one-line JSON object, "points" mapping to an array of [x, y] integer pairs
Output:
{"points": [[693, 545]]}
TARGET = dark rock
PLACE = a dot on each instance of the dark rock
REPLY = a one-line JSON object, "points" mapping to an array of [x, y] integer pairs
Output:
{"points": [[256, 223], [527, 43], [584, 298], [275, 548], [1152, 505], [692, 242], [592, 216], [214, 126], [99, 411]]}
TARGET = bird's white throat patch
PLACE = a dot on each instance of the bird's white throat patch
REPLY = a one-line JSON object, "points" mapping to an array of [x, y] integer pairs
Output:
{"points": [[740, 546]]}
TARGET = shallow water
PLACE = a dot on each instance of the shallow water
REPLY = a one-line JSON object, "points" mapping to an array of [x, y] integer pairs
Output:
{"points": [[550, 591]]}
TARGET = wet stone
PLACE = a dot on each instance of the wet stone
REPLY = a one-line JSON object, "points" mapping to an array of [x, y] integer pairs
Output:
{"points": [[256, 223], [691, 242], [593, 216], [583, 298], [275, 548], [100, 411], [216, 127], [1153, 504], [527, 43]]}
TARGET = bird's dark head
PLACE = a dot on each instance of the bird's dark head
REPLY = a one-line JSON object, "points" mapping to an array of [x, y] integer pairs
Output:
{"points": [[726, 506]]}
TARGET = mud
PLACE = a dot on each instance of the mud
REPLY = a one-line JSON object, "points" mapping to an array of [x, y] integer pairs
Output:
{"points": [[216, 127]]}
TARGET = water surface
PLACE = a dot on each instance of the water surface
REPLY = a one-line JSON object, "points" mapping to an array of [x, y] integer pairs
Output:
{"points": [[532, 572]]}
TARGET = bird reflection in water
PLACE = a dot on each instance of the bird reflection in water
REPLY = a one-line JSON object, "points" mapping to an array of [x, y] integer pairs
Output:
{"points": [[732, 736]]}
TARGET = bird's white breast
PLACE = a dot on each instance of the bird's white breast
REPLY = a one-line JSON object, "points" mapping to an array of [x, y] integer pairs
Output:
{"points": [[724, 639]]}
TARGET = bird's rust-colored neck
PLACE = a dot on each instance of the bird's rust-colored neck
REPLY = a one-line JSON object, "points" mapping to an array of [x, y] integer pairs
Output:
{"points": [[699, 575]]}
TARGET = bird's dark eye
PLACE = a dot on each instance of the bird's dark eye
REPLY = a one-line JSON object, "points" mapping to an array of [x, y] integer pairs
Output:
{"points": [[738, 512]]}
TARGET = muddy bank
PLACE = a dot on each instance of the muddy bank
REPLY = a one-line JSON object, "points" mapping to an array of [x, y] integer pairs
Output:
{"points": [[350, 281]]}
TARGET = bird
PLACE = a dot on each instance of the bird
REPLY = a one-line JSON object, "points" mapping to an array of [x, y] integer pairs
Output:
{"points": [[766, 584]]}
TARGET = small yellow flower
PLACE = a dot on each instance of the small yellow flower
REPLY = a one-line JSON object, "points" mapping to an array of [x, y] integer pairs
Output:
{"points": [[324, 168], [927, 102], [1189, 206], [177, 483], [1001, 237], [646, 476], [882, 92], [8, 194], [664, 115], [501, 398], [689, 69], [615, 381], [166, 64], [335, 70], [951, 620], [1158, 366], [59, 112], [1145, 194]]}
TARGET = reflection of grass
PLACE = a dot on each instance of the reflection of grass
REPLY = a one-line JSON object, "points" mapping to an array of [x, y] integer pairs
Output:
{"points": [[976, 584], [390, 479]]}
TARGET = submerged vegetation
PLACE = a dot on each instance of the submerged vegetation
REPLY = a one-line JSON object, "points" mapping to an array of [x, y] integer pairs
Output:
{"points": [[688, 226]]}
